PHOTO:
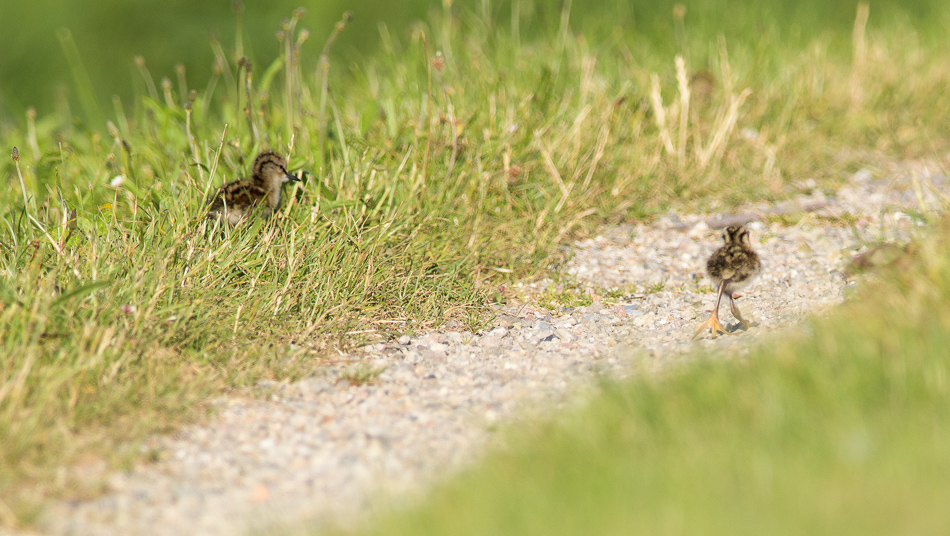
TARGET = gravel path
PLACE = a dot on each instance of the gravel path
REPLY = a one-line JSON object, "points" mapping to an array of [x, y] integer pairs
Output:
{"points": [[321, 448]]}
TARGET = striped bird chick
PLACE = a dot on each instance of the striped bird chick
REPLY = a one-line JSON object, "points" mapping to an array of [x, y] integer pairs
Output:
{"points": [[236, 199], [732, 267]]}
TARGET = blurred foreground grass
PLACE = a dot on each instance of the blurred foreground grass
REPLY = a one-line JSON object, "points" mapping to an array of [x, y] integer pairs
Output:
{"points": [[844, 430], [452, 159]]}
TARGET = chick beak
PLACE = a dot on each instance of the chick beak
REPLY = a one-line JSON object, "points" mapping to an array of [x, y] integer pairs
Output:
{"points": [[290, 177]]}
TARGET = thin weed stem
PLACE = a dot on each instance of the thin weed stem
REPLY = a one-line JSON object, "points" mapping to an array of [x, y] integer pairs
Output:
{"points": [[16, 162], [249, 110], [659, 113], [428, 104], [324, 81], [683, 82], [182, 82], [147, 76], [221, 61], [287, 38], [860, 50], [214, 163], [31, 132], [87, 94]]}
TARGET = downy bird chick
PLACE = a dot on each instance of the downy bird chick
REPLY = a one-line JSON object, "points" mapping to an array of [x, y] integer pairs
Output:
{"points": [[236, 199], [731, 267]]}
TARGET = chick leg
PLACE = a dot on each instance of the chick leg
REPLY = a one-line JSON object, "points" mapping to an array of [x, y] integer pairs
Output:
{"points": [[737, 314], [715, 327]]}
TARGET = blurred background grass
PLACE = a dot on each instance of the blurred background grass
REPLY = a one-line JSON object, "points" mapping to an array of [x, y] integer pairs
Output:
{"points": [[109, 34]]}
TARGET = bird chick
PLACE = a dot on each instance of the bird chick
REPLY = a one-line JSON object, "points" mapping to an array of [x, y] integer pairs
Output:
{"points": [[732, 267], [236, 199]]}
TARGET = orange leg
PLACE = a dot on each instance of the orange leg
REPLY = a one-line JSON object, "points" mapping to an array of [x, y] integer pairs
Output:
{"points": [[737, 314], [715, 327]]}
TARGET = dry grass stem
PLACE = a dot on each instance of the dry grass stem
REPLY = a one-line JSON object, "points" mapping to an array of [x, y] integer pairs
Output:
{"points": [[659, 114], [860, 51], [683, 84]]}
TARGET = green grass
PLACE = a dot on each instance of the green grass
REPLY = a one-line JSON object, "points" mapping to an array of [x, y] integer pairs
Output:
{"points": [[454, 158], [361, 374], [841, 431]]}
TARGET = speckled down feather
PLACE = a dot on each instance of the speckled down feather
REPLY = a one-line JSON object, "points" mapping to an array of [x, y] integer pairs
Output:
{"points": [[735, 262], [236, 199]]}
